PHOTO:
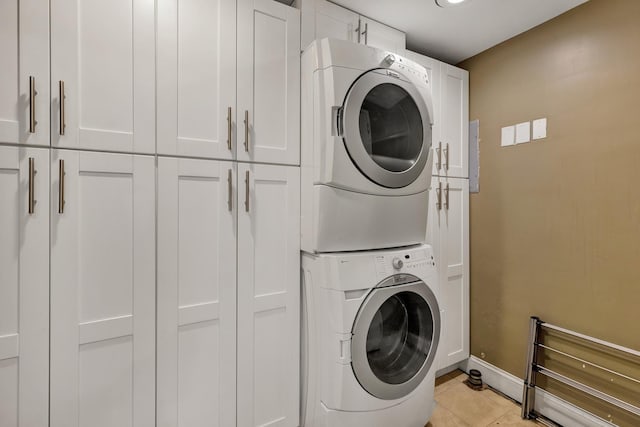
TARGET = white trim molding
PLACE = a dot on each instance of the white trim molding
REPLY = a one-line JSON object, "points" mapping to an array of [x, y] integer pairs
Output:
{"points": [[546, 404]]}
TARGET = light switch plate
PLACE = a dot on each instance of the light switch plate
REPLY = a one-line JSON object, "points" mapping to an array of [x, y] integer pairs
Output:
{"points": [[540, 128], [508, 136], [523, 132]]}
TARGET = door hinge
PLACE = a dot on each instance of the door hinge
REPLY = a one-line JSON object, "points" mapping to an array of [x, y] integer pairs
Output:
{"points": [[337, 126]]}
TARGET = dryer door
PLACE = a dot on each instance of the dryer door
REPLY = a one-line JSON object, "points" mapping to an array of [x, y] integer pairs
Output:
{"points": [[395, 338], [386, 128]]}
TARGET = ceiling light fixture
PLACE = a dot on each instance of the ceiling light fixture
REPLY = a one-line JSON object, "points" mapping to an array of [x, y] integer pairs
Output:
{"points": [[448, 3]]}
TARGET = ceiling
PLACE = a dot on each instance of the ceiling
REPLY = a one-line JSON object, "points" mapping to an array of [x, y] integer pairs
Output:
{"points": [[455, 33]]}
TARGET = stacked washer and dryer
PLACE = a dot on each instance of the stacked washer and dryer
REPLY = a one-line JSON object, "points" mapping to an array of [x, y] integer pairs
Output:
{"points": [[371, 318]]}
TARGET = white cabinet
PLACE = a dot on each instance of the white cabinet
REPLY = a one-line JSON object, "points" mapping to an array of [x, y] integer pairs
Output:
{"points": [[24, 286], [197, 78], [454, 115], [376, 34], [24, 72], [268, 82], [202, 67], [448, 232], [196, 293], [322, 19], [333, 21], [268, 295], [103, 75], [450, 93], [102, 289]]}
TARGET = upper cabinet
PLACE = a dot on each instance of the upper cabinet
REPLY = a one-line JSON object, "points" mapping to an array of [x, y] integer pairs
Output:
{"points": [[324, 19], [450, 93], [268, 82], [202, 66], [24, 72], [197, 78], [103, 75]]}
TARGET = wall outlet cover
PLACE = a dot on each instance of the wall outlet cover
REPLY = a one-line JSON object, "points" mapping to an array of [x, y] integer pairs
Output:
{"points": [[508, 136], [523, 132], [540, 128]]}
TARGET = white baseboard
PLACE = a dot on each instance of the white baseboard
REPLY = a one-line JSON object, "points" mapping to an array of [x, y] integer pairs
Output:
{"points": [[546, 404]]}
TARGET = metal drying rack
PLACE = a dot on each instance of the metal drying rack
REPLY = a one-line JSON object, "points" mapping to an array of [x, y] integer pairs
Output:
{"points": [[534, 369]]}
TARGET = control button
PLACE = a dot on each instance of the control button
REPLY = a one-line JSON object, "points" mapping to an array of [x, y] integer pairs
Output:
{"points": [[389, 60], [397, 263]]}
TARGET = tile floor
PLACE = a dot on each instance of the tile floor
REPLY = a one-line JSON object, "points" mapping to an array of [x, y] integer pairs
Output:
{"points": [[459, 406]]}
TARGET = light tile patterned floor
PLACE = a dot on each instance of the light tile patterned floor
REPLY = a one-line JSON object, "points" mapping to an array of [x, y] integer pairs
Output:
{"points": [[459, 406]]}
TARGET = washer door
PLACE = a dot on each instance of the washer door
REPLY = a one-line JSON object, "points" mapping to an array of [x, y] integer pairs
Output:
{"points": [[386, 128], [395, 338]]}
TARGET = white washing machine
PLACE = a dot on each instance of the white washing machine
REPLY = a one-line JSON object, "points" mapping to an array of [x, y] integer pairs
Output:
{"points": [[366, 151], [371, 326]]}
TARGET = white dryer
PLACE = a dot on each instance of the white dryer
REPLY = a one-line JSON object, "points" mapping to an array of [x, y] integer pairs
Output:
{"points": [[366, 151], [371, 326]]}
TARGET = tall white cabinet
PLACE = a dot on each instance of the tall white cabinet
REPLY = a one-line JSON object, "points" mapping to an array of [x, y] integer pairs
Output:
{"points": [[102, 289], [24, 286], [268, 295], [197, 241], [448, 222]]}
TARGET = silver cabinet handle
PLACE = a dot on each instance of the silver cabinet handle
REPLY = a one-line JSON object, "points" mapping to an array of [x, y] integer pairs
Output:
{"points": [[61, 187], [246, 191], [62, 97], [439, 196], [358, 29], [446, 197], [229, 128], [32, 172], [230, 185], [32, 104], [366, 33], [246, 130], [446, 157], [439, 151]]}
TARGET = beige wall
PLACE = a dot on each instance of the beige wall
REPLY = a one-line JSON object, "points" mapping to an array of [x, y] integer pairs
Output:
{"points": [[555, 229]]}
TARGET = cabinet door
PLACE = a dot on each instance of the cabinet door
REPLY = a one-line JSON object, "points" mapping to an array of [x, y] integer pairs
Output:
{"points": [[382, 36], [102, 290], [196, 293], [454, 270], [24, 72], [268, 82], [103, 63], [24, 287], [433, 70], [454, 112], [335, 22], [268, 295], [197, 78]]}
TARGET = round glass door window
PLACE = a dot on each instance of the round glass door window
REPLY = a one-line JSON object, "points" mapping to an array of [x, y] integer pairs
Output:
{"points": [[395, 337], [400, 338], [387, 128], [391, 127]]}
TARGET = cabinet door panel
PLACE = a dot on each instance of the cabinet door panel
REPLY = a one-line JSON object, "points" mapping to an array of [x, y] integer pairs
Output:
{"points": [[102, 290], [268, 296], [24, 49], [196, 293], [382, 36], [24, 288], [454, 284], [335, 22], [104, 52], [454, 132], [196, 77], [268, 82]]}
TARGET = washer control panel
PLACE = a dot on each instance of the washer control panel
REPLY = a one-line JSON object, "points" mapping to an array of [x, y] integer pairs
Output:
{"points": [[404, 261]]}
